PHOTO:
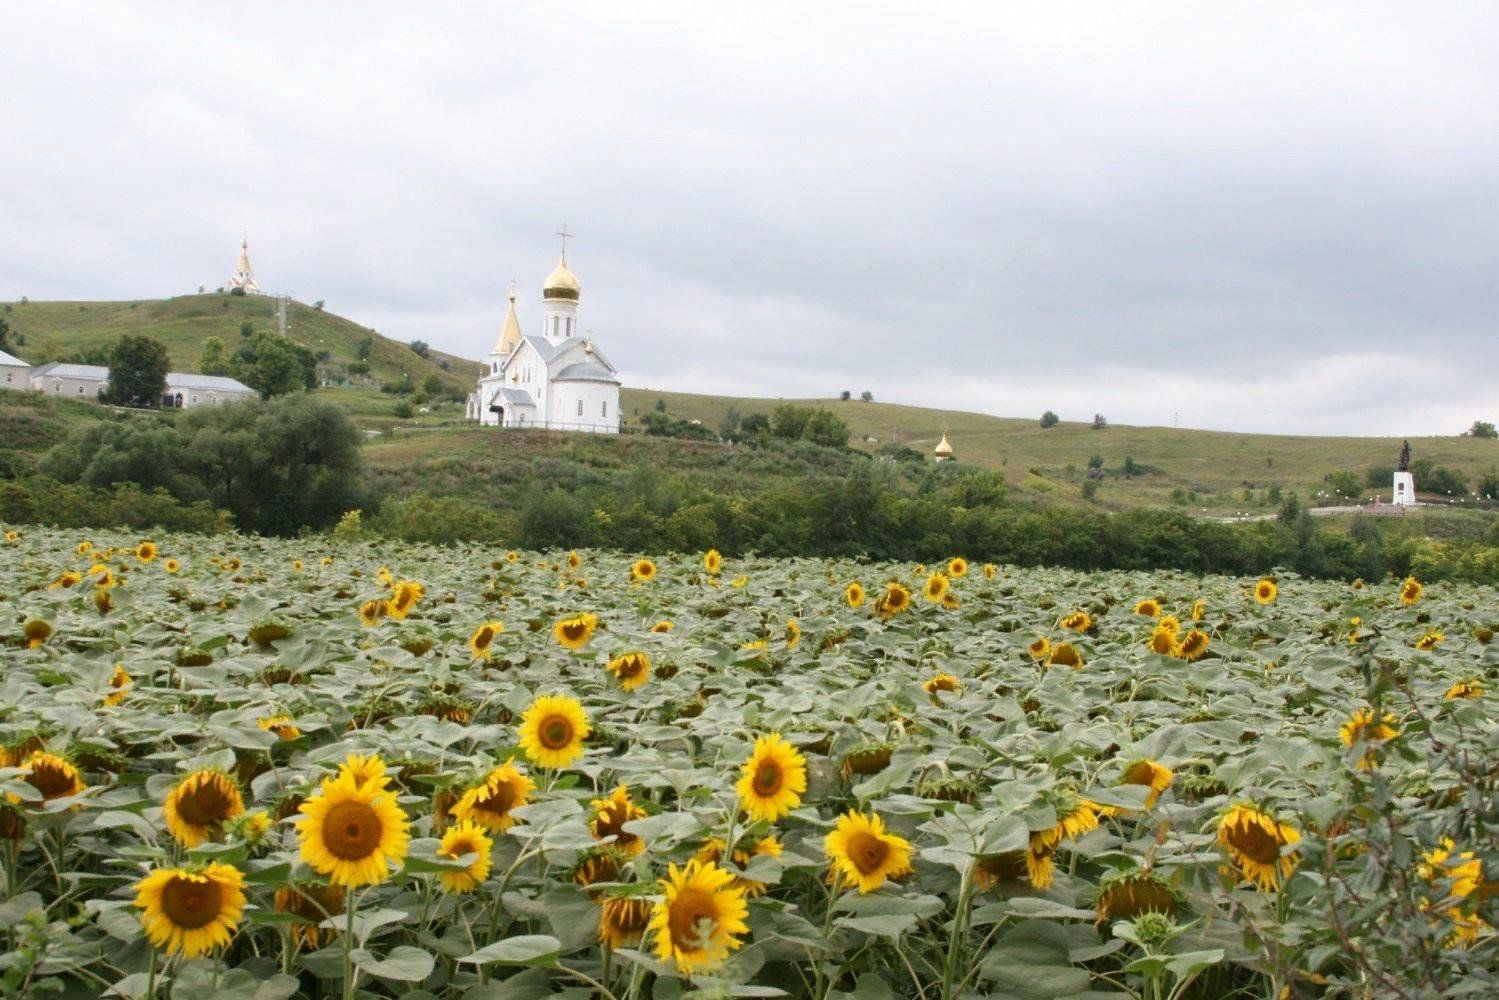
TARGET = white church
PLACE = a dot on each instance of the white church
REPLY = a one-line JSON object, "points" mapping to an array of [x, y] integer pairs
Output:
{"points": [[555, 381]]}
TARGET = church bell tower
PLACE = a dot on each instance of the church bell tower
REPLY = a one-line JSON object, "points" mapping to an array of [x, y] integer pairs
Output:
{"points": [[559, 295]]}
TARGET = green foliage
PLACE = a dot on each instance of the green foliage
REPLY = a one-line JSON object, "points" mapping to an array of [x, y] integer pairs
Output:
{"points": [[137, 373], [403, 409], [274, 366], [350, 525], [440, 521], [1099, 422], [212, 361], [866, 396], [1050, 419], [1432, 478], [420, 348], [1344, 482], [1480, 429], [38, 499], [790, 422]]}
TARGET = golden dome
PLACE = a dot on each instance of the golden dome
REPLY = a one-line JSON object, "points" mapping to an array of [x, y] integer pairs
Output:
{"points": [[561, 283], [943, 449]]}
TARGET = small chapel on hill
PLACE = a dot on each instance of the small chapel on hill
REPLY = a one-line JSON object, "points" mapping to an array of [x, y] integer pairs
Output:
{"points": [[556, 381]]}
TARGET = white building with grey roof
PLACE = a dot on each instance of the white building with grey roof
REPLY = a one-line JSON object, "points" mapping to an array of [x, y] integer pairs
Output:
{"points": [[556, 381], [184, 390], [14, 373], [188, 389], [64, 380]]}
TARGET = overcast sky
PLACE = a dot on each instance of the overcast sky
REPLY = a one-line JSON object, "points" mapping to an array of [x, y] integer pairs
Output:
{"points": [[1275, 220]]}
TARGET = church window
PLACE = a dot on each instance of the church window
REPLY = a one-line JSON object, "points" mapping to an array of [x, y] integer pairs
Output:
{"points": [[580, 407], [604, 408], [80, 390], [569, 326]]}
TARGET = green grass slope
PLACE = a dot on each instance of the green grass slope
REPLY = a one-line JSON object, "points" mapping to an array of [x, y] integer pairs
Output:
{"points": [[1219, 466], [56, 329]]}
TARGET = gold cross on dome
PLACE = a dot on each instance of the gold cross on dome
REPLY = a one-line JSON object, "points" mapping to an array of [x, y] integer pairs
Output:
{"points": [[565, 237]]}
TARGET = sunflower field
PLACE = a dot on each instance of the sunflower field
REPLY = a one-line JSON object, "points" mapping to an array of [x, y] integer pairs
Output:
{"points": [[249, 768]]}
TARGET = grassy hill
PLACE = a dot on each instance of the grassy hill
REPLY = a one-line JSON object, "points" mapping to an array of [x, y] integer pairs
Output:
{"points": [[1218, 466], [54, 330]]}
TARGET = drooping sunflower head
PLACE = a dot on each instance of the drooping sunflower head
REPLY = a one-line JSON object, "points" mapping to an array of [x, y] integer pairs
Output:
{"points": [[864, 853], [313, 902], [405, 597], [1469, 689], [1265, 592], [200, 804], [66, 579], [772, 781], [957, 566], [793, 633], [1144, 771], [1362, 727], [50, 774], [631, 669], [190, 912], [1193, 645], [1040, 648], [574, 560], [712, 562], [1257, 844], [482, 641], [610, 816], [1150, 608], [36, 631], [1128, 893], [371, 611], [1065, 654], [352, 833], [1075, 817], [552, 731], [623, 920], [941, 682], [461, 840], [490, 802], [662, 627], [854, 595], [119, 683], [642, 570], [700, 917], [1079, 621], [1430, 640], [284, 726], [1411, 591], [574, 633], [993, 869], [1199, 609], [935, 588]]}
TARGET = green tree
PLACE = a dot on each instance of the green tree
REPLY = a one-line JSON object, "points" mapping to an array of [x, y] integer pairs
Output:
{"points": [[1480, 428], [4, 334], [212, 361], [789, 421], [274, 366], [137, 372], [433, 385], [826, 429], [364, 348], [1050, 419], [420, 348]]}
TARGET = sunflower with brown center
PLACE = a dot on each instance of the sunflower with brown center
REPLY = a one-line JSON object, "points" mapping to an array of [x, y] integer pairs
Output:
{"points": [[642, 571], [896, 599], [609, 818], [1065, 654], [632, 670], [370, 612], [1039, 649], [935, 588], [199, 805], [957, 567], [459, 841], [1256, 842], [574, 633], [1161, 641], [854, 595], [1411, 591], [1079, 621], [552, 731], [146, 551], [700, 917], [1193, 646], [1265, 592], [352, 833], [36, 631], [1150, 608], [623, 920], [51, 775], [1430, 640], [283, 726], [712, 562], [405, 598], [1469, 689], [490, 803], [662, 627], [119, 683], [1125, 895], [191, 912], [480, 643], [772, 781], [314, 902], [864, 853]]}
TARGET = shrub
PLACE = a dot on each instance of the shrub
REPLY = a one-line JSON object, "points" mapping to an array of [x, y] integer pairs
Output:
{"points": [[1050, 419]]}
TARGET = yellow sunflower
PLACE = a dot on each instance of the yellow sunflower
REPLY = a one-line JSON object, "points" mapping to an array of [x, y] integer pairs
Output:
{"points": [[935, 588], [84, 547], [1199, 609], [406, 596], [1162, 640], [1265, 592], [313, 902], [642, 570], [489, 803], [662, 627], [865, 854], [370, 612], [1431, 640], [282, 725], [941, 682], [712, 561], [609, 817], [1040, 649], [1256, 842], [66, 579], [631, 669], [1170, 623], [623, 920], [739, 581], [1065, 654], [854, 595], [1079, 621], [191, 912], [552, 731], [364, 770], [1363, 728], [36, 631], [990, 570], [700, 918], [957, 567], [950, 601], [483, 638], [896, 599], [574, 560], [1150, 608], [51, 775], [1471, 688], [352, 833], [171, 565], [146, 551], [772, 781], [574, 633], [119, 682], [103, 602], [1193, 645], [1155, 776], [459, 840], [200, 804], [1411, 591], [793, 633]]}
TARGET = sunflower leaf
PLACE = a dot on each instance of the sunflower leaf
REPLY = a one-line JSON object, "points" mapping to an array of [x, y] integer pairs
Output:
{"points": [[527, 949]]}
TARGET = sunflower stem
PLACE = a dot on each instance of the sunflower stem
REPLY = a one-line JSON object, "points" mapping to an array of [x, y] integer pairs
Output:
{"points": [[959, 931], [151, 978], [349, 907]]}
